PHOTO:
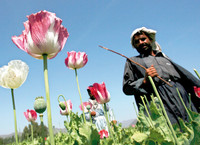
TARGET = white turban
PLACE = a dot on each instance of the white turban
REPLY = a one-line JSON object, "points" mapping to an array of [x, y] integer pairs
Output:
{"points": [[152, 35]]}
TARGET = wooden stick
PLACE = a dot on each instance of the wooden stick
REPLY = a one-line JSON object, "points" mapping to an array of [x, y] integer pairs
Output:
{"points": [[135, 63]]}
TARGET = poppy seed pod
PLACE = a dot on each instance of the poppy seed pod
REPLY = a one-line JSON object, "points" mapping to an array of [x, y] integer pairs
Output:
{"points": [[40, 105]]}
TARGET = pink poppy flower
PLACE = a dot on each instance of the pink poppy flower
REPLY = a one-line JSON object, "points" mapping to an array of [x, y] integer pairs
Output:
{"points": [[197, 91], [103, 133], [100, 93], [85, 104], [30, 115], [76, 60], [67, 110], [43, 34]]}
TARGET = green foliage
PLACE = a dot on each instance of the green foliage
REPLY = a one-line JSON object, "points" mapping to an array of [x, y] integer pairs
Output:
{"points": [[147, 131], [80, 132], [1, 140], [7, 141], [37, 130]]}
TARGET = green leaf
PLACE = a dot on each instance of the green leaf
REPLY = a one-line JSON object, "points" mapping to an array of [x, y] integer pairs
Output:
{"points": [[186, 135], [195, 116], [156, 135], [196, 128], [89, 131], [139, 137], [143, 123], [107, 141], [160, 123]]}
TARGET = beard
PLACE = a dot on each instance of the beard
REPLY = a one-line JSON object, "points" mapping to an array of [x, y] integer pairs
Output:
{"points": [[144, 48]]}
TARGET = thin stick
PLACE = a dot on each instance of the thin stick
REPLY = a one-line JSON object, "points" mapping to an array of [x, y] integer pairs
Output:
{"points": [[135, 63]]}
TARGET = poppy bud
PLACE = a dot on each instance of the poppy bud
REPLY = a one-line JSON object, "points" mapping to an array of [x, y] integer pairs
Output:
{"points": [[93, 113], [88, 107], [62, 105], [114, 122]]}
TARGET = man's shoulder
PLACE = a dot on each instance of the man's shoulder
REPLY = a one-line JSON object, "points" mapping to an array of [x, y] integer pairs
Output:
{"points": [[135, 57]]}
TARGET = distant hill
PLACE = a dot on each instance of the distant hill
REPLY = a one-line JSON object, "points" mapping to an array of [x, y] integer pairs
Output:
{"points": [[127, 123], [9, 135]]}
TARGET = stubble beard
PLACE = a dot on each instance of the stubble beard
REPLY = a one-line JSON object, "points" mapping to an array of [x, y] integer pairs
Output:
{"points": [[145, 50]]}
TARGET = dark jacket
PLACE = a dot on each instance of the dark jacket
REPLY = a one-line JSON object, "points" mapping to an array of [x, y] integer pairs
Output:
{"points": [[134, 75]]}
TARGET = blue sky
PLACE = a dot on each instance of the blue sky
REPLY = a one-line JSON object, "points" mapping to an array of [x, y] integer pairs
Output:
{"points": [[91, 23]]}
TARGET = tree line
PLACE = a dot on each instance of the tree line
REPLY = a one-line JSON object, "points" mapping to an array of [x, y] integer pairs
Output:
{"points": [[26, 134]]}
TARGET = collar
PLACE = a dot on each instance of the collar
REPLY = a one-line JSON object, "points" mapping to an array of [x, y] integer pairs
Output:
{"points": [[156, 52]]}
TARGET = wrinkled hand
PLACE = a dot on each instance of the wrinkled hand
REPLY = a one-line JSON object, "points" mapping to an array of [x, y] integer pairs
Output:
{"points": [[151, 71]]}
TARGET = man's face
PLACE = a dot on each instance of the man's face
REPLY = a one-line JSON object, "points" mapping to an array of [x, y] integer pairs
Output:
{"points": [[142, 43], [91, 96]]}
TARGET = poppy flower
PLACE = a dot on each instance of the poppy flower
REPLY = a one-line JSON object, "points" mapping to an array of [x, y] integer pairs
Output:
{"points": [[103, 133], [43, 34], [30, 115], [14, 74], [100, 93], [197, 91], [76, 60]]}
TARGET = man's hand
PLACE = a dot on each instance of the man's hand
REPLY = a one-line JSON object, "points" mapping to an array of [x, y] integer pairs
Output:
{"points": [[151, 71]]}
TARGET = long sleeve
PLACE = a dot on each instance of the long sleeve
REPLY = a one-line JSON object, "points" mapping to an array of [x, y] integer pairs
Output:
{"points": [[133, 80], [189, 81]]}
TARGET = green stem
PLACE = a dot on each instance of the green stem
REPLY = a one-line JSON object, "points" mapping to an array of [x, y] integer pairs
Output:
{"points": [[164, 111], [80, 96], [184, 104], [32, 131], [90, 116], [152, 98], [197, 73], [67, 118], [190, 103], [42, 126], [48, 100], [108, 123], [146, 100], [151, 122], [15, 118], [135, 109]]}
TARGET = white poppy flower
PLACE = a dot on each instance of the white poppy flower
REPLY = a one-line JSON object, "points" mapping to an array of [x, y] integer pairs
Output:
{"points": [[14, 74]]}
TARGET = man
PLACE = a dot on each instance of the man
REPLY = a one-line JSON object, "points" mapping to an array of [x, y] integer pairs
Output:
{"points": [[97, 112], [135, 80]]}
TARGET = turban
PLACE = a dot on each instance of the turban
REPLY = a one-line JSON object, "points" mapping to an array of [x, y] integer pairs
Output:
{"points": [[152, 35]]}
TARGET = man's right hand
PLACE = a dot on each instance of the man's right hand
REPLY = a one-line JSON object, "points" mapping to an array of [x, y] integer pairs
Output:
{"points": [[151, 71]]}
